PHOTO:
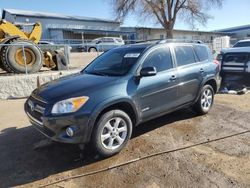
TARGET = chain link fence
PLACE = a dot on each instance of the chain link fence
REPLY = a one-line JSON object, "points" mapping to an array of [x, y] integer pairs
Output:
{"points": [[74, 54]]}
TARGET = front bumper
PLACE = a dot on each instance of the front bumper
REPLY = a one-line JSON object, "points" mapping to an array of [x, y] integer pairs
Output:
{"points": [[54, 127]]}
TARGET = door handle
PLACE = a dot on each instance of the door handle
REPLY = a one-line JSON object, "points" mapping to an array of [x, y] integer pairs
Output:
{"points": [[173, 78], [201, 70]]}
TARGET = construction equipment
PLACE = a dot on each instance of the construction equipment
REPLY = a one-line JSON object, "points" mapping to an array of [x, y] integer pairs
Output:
{"points": [[19, 52]]}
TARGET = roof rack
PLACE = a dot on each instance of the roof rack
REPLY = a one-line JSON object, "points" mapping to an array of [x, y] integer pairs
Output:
{"points": [[163, 41], [179, 40]]}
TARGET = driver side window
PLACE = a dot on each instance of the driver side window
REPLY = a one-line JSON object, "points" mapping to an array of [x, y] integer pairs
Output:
{"points": [[160, 58]]}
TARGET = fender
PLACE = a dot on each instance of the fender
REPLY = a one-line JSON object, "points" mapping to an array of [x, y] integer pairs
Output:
{"points": [[107, 103], [6, 40], [206, 79]]}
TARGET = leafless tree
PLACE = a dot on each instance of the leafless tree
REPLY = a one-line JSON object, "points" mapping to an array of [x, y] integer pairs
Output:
{"points": [[166, 11]]}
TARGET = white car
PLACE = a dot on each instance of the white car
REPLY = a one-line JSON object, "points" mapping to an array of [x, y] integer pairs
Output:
{"points": [[104, 44]]}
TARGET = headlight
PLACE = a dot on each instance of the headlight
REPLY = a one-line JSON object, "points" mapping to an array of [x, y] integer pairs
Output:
{"points": [[69, 105]]}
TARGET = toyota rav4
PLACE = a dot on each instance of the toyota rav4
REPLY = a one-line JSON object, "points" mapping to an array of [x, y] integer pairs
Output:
{"points": [[121, 89]]}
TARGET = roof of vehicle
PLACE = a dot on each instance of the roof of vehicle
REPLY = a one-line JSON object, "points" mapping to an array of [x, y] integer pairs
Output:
{"points": [[236, 50], [245, 40], [148, 44]]}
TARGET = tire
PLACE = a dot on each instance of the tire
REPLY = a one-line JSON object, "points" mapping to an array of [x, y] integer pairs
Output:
{"points": [[60, 60], [205, 101], [13, 61], [105, 133], [92, 49]]}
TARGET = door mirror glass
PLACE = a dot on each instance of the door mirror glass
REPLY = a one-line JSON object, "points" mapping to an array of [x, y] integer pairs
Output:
{"points": [[148, 71]]}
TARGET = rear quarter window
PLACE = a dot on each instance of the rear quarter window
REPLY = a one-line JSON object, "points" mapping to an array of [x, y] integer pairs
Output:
{"points": [[202, 52], [184, 55]]}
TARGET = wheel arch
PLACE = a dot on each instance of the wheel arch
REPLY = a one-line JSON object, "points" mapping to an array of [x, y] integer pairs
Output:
{"points": [[92, 47], [209, 81], [121, 104]]}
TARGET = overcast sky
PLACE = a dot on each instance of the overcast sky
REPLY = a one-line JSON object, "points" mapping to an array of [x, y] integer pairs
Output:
{"points": [[233, 12]]}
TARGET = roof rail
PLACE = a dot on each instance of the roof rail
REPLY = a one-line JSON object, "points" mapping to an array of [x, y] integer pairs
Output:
{"points": [[150, 40], [179, 40]]}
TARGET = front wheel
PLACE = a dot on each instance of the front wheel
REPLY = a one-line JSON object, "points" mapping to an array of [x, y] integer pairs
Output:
{"points": [[205, 101], [112, 132]]}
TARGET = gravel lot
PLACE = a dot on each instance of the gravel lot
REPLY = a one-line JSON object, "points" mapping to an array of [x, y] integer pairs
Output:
{"points": [[198, 151]]}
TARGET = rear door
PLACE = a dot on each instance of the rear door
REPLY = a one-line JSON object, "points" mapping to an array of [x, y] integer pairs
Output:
{"points": [[190, 73], [108, 43]]}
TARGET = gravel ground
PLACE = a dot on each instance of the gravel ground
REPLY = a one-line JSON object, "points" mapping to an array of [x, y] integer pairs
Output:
{"points": [[198, 151]]}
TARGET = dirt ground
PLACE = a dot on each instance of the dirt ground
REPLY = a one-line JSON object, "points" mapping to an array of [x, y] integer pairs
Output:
{"points": [[199, 151]]}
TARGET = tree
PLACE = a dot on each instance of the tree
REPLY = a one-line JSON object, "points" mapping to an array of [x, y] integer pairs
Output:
{"points": [[166, 11]]}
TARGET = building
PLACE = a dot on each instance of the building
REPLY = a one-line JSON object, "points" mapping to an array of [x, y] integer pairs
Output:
{"points": [[60, 28], [145, 33], [63, 28], [237, 33]]}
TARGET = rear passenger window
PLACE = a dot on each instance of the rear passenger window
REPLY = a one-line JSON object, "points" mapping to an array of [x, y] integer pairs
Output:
{"points": [[160, 59], [184, 55], [202, 52]]}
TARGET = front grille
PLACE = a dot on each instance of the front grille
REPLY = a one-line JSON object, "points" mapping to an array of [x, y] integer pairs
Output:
{"points": [[36, 108]]}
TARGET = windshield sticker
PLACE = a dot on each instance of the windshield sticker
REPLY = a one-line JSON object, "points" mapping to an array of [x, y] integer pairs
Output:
{"points": [[132, 55]]}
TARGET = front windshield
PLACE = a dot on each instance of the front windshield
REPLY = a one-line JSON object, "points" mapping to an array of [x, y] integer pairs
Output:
{"points": [[116, 62]]}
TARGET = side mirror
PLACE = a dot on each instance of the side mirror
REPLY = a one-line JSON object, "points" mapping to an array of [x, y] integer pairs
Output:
{"points": [[148, 71], [98, 42]]}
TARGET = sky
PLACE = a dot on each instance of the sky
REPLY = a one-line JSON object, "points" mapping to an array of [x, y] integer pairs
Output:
{"points": [[233, 13]]}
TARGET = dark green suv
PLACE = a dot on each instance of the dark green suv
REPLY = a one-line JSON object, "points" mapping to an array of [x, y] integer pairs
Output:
{"points": [[121, 89]]}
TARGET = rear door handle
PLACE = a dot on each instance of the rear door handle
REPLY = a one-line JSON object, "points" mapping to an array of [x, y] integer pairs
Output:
{"points": [[173, 78]]}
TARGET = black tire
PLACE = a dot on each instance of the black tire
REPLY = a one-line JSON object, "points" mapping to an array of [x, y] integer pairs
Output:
{"points": [[60, 61], [100, 127], [3, 65], [200, 107], [9, 58], [92, 49]]}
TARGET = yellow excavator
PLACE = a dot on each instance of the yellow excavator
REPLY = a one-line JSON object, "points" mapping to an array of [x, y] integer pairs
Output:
{"points": [[19, 50]]}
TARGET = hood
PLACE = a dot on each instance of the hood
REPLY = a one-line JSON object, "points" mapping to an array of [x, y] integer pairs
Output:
{"points": [[72, 86]]}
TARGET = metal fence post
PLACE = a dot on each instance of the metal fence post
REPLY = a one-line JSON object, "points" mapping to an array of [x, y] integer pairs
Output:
{"points": [[66, 52], [24, 58]]}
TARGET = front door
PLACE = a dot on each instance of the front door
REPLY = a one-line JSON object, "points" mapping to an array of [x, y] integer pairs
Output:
{"points": [[158, 94]]}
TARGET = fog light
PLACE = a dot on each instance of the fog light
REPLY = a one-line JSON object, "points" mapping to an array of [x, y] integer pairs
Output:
{"points": [[70, 131]]}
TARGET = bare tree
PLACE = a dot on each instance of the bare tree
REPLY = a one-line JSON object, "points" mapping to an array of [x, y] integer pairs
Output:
{"points": [[166, 11]]}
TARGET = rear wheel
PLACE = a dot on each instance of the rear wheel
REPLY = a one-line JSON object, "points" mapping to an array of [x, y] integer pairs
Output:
{"points": [[205, 101], [13, 57], [112, 132], [92, 49]]}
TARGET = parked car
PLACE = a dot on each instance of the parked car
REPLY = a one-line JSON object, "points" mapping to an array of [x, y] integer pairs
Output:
{"points": [[46, 45], [121, 89], [101, 44], [242, 43]]}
